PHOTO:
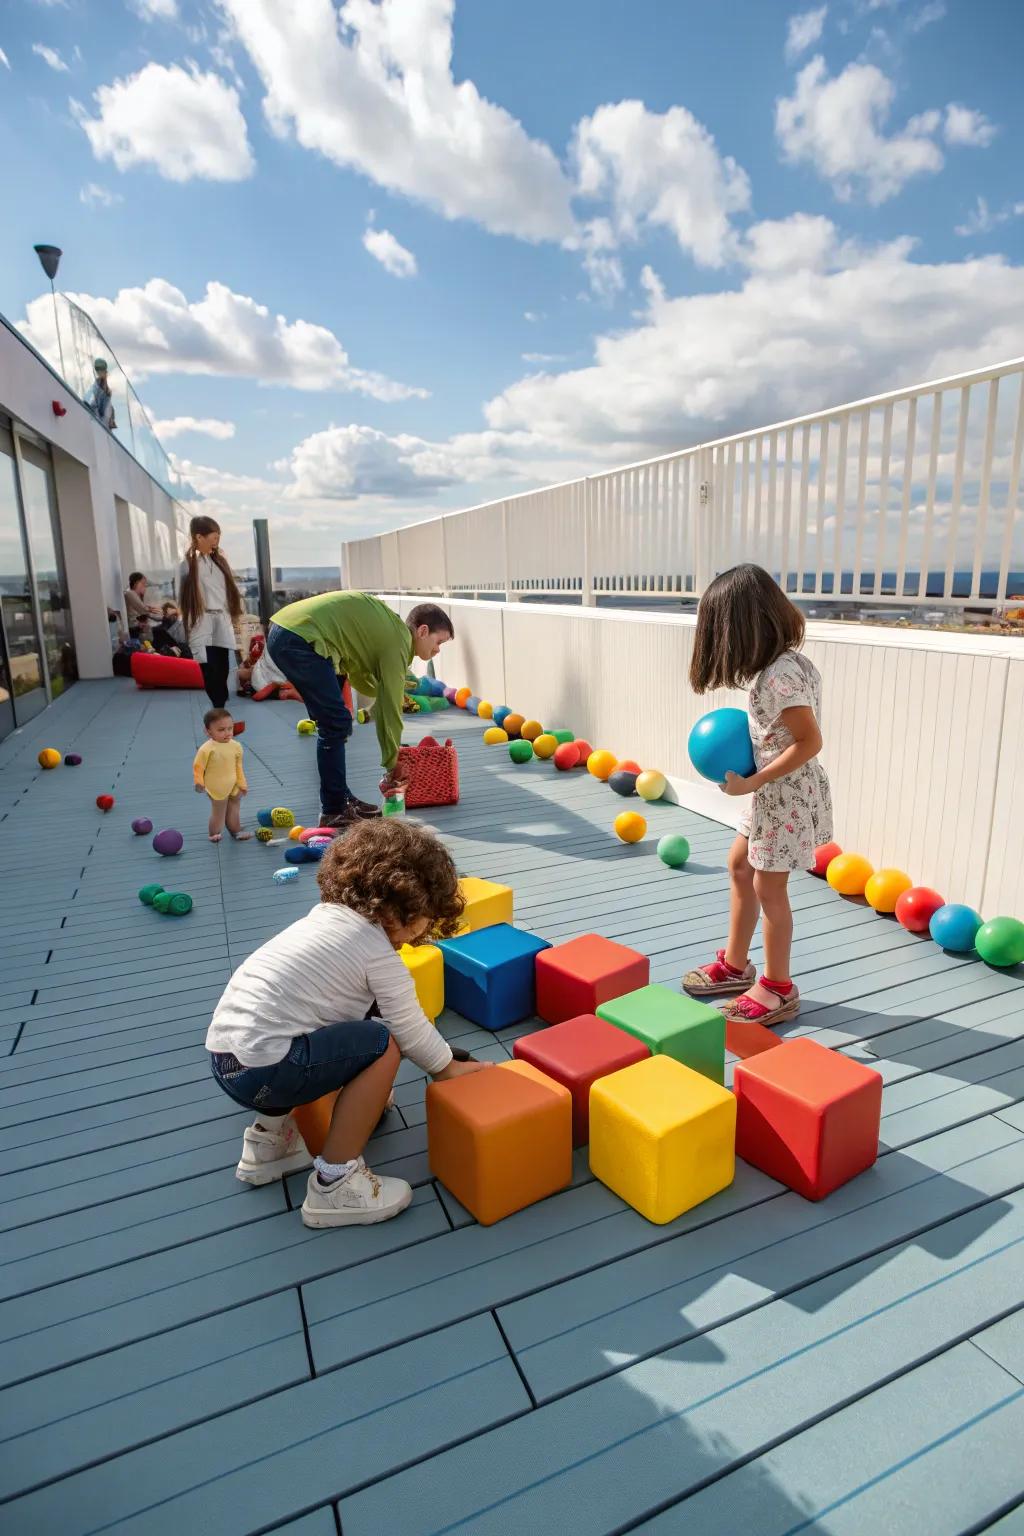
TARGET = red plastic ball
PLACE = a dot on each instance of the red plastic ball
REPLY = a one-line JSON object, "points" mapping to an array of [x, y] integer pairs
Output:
{"points": [[823, 857], [584, 749], [105, 802], [916, 908], [567, 756]]}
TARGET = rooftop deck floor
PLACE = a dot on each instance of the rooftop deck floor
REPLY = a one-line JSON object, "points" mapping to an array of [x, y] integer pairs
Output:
{"points": [[179, 1352]]}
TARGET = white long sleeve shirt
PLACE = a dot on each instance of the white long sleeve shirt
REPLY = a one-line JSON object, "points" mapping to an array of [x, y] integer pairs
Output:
{"points": [[328, 968]]}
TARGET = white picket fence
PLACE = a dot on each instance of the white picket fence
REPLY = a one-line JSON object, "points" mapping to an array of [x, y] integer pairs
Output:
{"points": [[864, 501]]}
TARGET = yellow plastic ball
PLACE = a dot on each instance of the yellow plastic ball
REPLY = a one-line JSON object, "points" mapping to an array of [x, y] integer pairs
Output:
{"points": [[306, 727], [531, 729], [49, 757], [485, 710], [651, 785], [513, 724], [494, 736], [629, 827], [295, 833], [885, 888], [601, 764], [281, 816], [545, 745], [849, 873]]}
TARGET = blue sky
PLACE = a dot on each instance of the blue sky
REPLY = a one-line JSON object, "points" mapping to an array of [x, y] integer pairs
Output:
{"points": [[601, 230]]}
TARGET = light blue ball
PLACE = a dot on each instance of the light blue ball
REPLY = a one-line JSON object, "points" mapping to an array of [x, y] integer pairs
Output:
{"points": [[720, 743], [472, 704], [265, 818], [955, 927], [282, 876]]}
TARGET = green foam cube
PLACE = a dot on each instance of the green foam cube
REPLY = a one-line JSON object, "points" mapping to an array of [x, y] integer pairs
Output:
{"points": [[672, 1024]]}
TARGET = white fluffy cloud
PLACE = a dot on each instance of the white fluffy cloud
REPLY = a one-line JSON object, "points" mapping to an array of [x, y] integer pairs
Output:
{"points": [[661, 169], [156, 10], [963, 125], [154, 329], [206, 426], [51, 57], [982, 219], [392, 255], [95, 196], [187, 124], [370, 86], [784, 342], [803, 31], [838, 126], [4, 60]]}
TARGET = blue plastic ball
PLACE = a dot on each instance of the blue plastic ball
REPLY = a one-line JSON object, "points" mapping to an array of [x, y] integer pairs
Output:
{"points": [[955, 927], [265, 818], [623, 782], [282, 876], [720, 743], [472, 704], [500, 715]]}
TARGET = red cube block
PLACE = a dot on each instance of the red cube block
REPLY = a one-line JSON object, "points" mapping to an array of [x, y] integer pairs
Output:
{"points": [[577, 977], [807, 1116], [576, 1054]]}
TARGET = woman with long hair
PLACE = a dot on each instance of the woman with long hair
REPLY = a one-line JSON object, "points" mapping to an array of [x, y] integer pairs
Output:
{"points": [[211, 606]]}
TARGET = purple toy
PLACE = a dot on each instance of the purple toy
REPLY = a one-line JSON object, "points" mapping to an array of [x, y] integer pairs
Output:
{"points": [[142, 826], [449, 694], [72, 760], [168, 842]]}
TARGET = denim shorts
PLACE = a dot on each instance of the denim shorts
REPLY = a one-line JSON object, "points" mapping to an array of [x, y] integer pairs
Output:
{"points": [[317, 1063]]}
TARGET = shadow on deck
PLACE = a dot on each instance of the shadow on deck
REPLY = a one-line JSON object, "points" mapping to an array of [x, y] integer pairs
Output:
{"points": [[179, 1349]]}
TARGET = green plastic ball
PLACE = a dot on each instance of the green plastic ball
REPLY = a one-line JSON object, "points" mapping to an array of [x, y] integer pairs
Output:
{"points": [[520, 751], [673, 850], [563, 736], [148, 893], [1000, 941]]}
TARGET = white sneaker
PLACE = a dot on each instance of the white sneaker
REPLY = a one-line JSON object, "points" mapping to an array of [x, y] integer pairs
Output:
{"points": [[270, 1155], [357, 1200]]}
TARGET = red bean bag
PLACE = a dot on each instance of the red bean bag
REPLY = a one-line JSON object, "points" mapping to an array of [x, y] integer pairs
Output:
{"points": [[152, 671]]}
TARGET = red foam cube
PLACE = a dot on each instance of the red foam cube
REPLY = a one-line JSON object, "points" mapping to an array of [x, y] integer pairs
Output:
{"points": [[575, 1054], [807, 1116], [577, 977]]}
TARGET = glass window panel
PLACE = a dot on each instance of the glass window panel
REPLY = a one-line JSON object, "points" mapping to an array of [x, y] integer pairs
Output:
{"points": [[40, 505]]}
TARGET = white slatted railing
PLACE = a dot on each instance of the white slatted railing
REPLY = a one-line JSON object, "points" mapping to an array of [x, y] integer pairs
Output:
{"points": [[910, 498]]}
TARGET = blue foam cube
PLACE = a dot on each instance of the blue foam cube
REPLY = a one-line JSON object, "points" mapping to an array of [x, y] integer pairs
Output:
{"points": [[490, 975]]}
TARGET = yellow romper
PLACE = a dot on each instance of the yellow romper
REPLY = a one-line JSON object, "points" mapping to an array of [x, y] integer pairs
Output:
{"points": [[218, 768]]}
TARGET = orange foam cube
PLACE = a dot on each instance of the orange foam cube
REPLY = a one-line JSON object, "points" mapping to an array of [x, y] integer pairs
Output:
{"points": [[500, 1140]]}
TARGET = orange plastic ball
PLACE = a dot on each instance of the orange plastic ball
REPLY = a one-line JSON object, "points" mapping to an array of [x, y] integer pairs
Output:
{"points": [[849, 874], [629, 827], [885, 888], [461, 695], [531, 729], [49, 757], [601, 764], [295, 833], [513, 724], [627, 765], [567, 756]]}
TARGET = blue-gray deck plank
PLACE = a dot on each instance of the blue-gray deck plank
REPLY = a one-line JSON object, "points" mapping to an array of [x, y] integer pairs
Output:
{"points": [[127, 1282]]}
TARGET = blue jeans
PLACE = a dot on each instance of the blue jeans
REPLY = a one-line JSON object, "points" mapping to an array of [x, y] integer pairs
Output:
{"points": [[317, 681], [316, 1064]]}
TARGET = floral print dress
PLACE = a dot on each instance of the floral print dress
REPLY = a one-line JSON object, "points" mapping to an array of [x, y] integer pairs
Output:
{"points": [[789, 819]]}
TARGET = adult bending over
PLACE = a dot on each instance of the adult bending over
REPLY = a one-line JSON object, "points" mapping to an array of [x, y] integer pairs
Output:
{"points": [[319, 641], [211, 605]]}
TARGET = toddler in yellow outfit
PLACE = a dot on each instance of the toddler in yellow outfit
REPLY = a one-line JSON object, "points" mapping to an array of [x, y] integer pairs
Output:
{"points": [[217, 772]]}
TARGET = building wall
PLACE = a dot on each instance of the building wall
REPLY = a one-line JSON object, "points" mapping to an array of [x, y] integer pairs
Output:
{"points": [[924, 736], [92, 470]]}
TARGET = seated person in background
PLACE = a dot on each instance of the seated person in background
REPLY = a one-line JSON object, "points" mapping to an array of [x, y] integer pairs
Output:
{"points": [[259, 679], [169, 634], [139, 611]]}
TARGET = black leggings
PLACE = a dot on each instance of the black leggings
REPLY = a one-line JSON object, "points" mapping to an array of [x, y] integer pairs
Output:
{"points": [[215, 674]]}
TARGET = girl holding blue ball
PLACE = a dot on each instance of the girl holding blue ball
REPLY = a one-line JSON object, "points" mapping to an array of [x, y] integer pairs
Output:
{"points": [[749, 635]]}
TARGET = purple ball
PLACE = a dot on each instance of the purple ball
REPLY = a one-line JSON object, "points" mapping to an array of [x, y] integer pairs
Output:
{"points": [[449, 694], [73, 760], [168, 842], [142, 826]]}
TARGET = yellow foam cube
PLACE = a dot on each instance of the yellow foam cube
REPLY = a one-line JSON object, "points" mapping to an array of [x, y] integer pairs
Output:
{"points": [[662, 1136], [427, 966], [486, 904]]}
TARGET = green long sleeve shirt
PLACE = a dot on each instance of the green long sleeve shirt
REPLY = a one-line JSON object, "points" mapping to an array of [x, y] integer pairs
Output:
{"points": [[367, 641]]}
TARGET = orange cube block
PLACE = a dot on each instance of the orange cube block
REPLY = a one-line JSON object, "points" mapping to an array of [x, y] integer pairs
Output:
{"points": [[500, 1140]]}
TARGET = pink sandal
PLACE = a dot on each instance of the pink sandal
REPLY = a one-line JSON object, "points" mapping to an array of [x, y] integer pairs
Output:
{"points": [[718, 979], [747, 1010]]}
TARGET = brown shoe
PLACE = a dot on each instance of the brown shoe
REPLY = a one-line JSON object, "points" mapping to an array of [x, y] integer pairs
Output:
{"points": [[349, 817], [363, 808]]}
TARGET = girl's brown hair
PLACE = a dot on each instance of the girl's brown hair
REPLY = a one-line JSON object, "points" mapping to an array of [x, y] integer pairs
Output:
{"points": [[190, 596], [393, 872], [744, 622]]}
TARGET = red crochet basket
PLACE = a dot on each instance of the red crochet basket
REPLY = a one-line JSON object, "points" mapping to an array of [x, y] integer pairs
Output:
{"points": [[431, 772]]}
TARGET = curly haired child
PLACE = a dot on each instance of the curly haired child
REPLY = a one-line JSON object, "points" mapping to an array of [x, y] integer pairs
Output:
{"points": [[749, 634], [293, 1023]]}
